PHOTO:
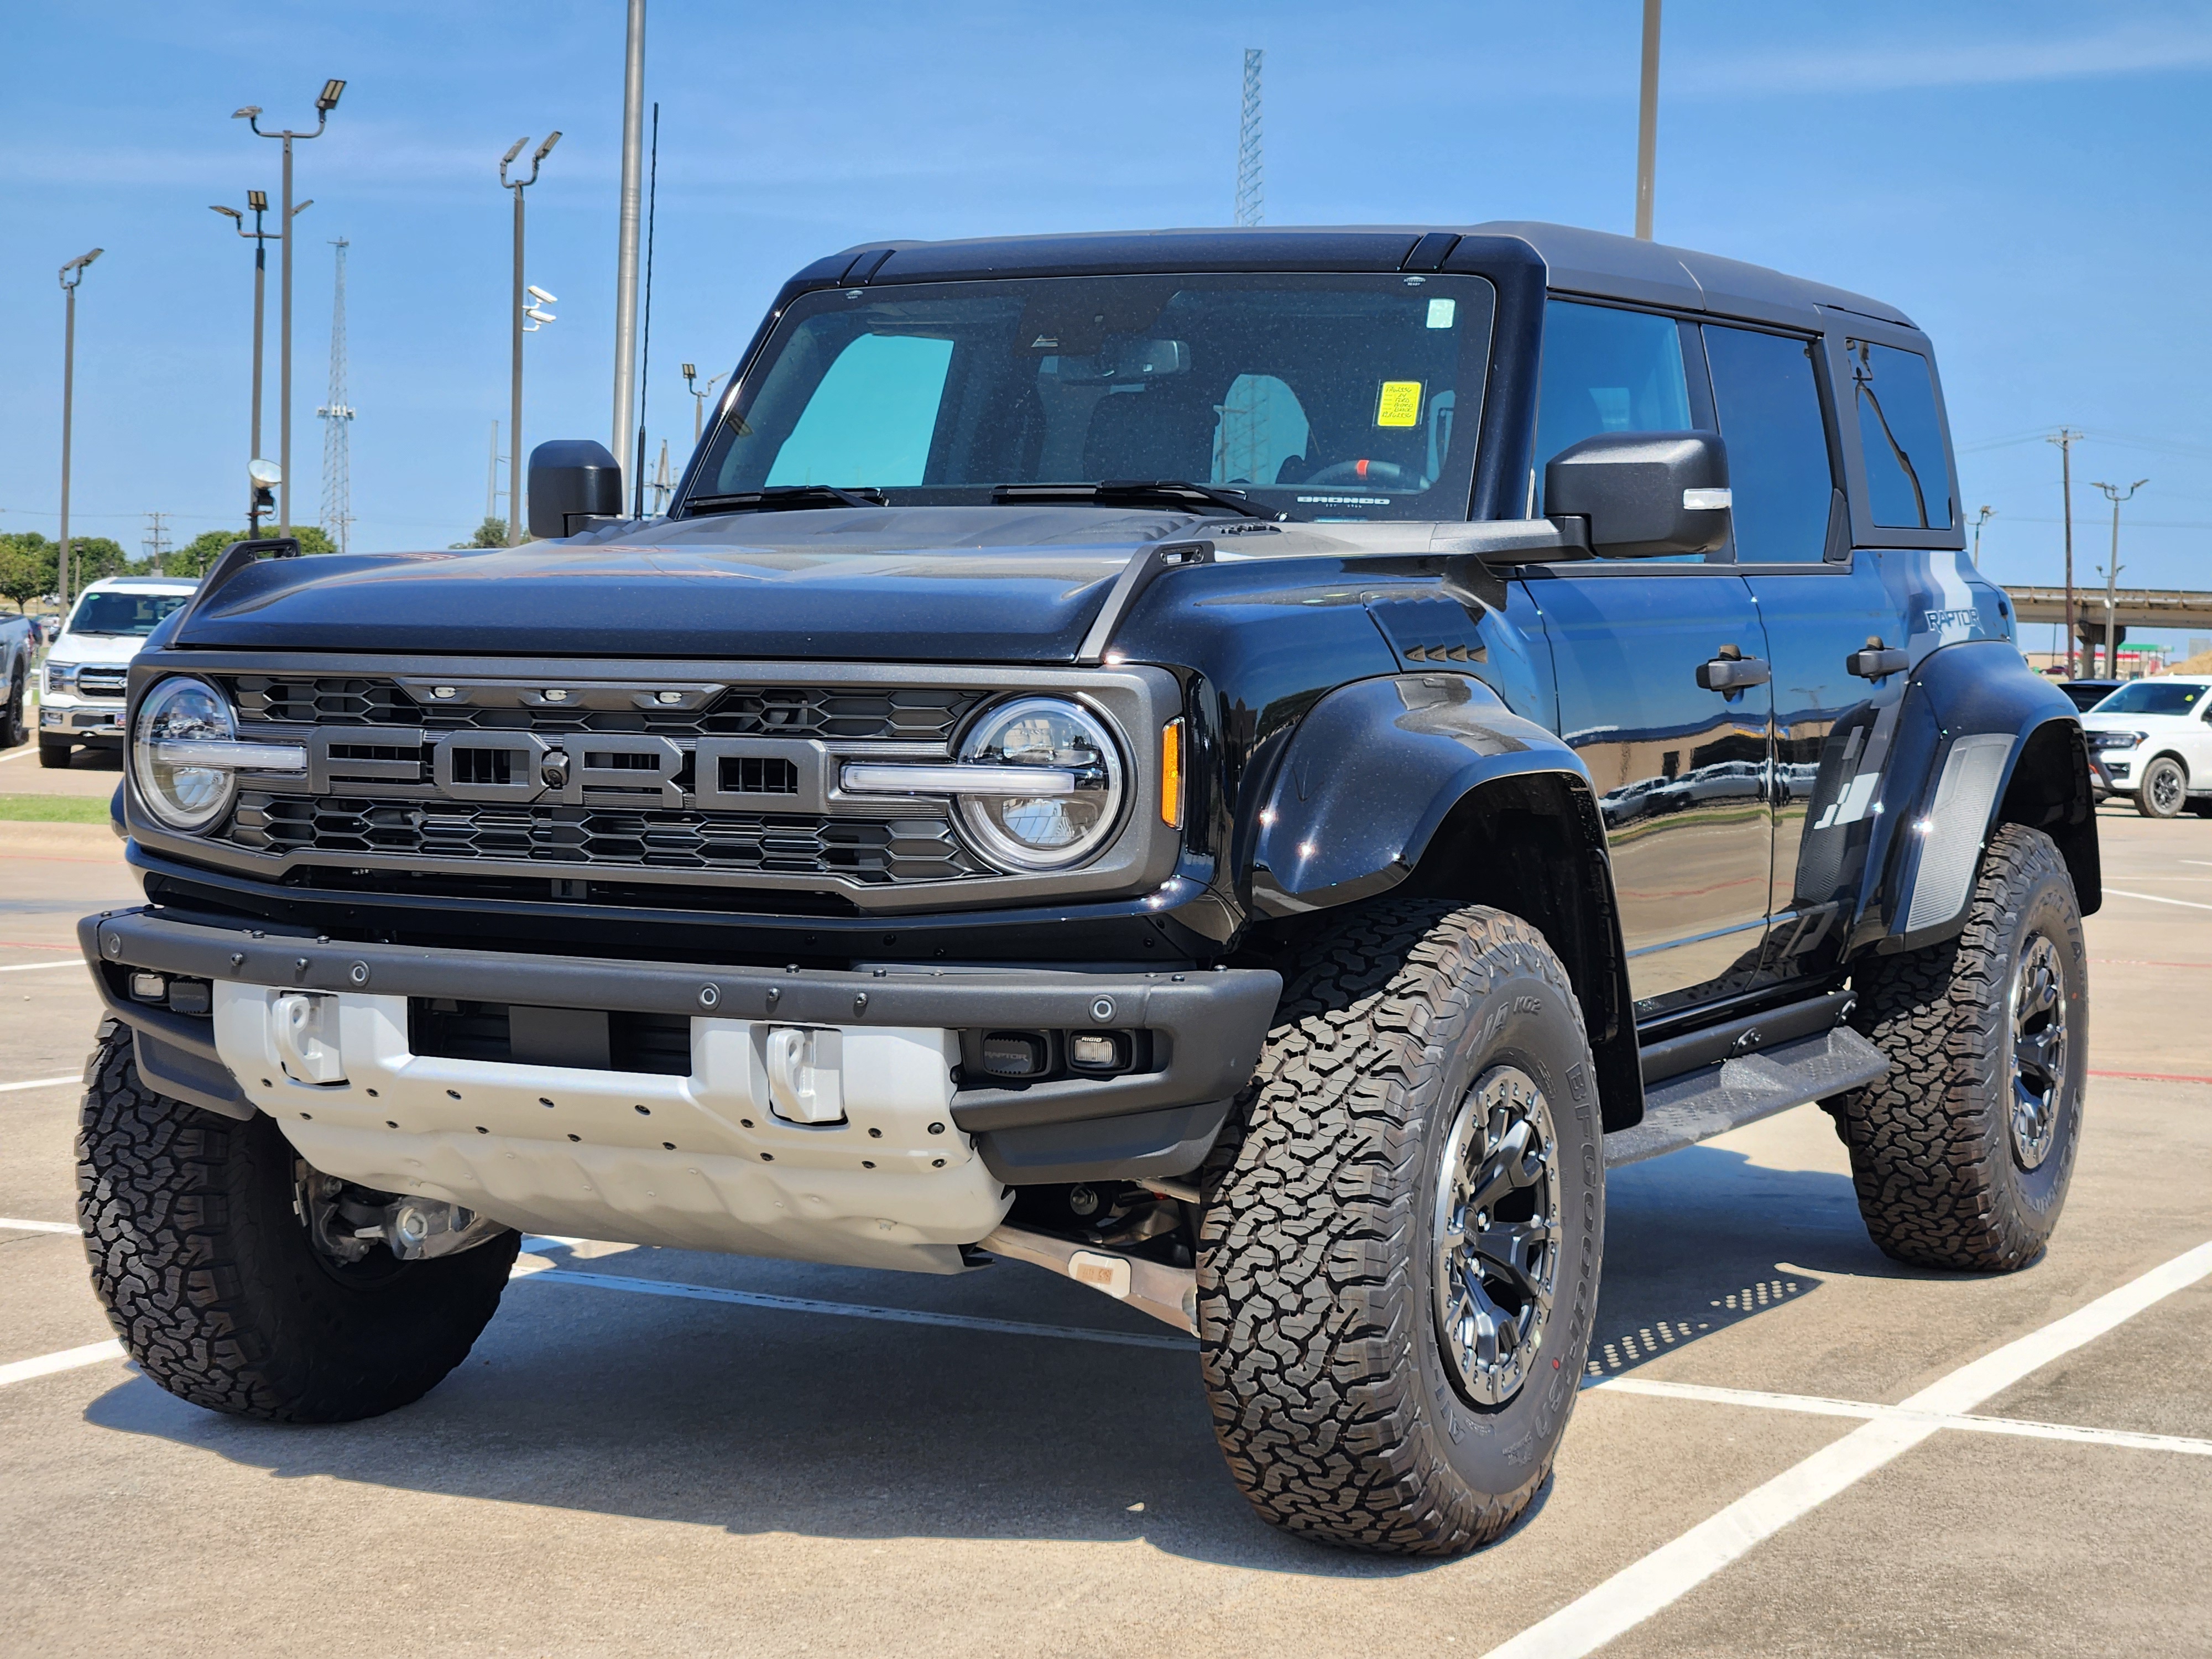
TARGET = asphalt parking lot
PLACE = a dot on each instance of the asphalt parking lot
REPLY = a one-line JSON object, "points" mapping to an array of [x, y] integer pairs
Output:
{"points": [[1790, 1444]]}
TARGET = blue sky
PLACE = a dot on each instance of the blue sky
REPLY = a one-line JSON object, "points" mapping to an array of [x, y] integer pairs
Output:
{"points": [[2026, 179]]}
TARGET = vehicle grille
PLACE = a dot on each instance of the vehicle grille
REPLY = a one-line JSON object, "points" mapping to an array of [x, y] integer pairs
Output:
{"points": [[874, 851], [101, 682], [905, 713]]}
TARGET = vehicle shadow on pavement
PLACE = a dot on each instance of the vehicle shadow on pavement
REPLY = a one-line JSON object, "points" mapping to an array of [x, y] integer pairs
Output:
{"points": [[760, 1420]]}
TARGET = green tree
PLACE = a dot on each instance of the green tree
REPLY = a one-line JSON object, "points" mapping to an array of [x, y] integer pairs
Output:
{"points": [[26, 567], [92, 557], [196, 556], [492, 532]]}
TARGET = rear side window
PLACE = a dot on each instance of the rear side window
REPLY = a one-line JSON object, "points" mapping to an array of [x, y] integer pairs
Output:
{"points": [[1608, 371], [1908, 479], [1768, 403]]}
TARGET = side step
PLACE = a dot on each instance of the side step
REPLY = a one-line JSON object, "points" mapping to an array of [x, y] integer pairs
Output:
{"points": [[1697, 1105]]}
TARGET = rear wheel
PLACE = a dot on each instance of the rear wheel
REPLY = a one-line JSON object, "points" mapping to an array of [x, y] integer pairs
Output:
{"points": [[1399, 1254], [199, 1231], [2163, 788], [1962, 1156]]}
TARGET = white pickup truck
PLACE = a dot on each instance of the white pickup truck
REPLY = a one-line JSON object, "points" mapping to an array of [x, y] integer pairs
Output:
{"points": [[82, 700]]}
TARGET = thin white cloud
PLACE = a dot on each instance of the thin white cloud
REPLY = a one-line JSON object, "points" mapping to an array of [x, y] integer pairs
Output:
{"points": [[1905, 63]]}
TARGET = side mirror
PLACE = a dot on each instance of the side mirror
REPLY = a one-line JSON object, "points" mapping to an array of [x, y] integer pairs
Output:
{"points": [[572, 479], [1643, 494]]}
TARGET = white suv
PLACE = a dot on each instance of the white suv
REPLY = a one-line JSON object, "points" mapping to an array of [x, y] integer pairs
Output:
{"points": [[81, 695], [2152, 739]]}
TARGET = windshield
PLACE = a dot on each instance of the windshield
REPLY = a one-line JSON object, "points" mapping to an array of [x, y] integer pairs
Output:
{"points": [[2153, 697], [1323, 397], [118, 613]]}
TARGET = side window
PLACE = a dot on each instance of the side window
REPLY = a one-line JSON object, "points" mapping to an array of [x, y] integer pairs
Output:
{"points": [[1908, 480], [1768, 405], [1608, 371], [871, 420], [1260, 424]]}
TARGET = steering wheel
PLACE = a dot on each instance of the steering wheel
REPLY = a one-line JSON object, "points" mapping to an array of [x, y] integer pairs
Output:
{"points": [[1359, 472]]}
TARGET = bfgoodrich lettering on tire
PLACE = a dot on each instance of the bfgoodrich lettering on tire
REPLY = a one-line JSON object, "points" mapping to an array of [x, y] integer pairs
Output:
{"points": [[1399, 1257], [200, 1255], [1961, 1155]]}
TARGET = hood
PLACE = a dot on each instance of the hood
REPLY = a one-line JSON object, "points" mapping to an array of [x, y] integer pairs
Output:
{"points": [[97, 647], [929, 584]]}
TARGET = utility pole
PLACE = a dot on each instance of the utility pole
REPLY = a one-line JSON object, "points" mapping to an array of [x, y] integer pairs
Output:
{"points": [[519, 306], [1647, 122], [2112, 574], [699, 399], [633, 191], [157, 540], [72, 274], [1248, 209], [326, 102], [337, 417], [1983, 517], [2066, 437]]}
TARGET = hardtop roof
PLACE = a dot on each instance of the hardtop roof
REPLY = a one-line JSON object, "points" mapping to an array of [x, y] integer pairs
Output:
{"points": [[1576, 261]]}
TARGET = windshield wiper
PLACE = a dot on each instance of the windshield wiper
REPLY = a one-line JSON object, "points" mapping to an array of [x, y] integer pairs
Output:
{"points": [[1168, 492], [778, 497]]}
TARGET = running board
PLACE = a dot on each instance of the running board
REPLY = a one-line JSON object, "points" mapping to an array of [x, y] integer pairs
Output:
{"points": [[1681, 1111]]}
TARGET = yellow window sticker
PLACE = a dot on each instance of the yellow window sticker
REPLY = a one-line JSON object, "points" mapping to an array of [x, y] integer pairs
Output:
{"points": [[1400, 404]]}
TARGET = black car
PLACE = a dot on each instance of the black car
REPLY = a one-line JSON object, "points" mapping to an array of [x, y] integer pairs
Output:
{"points": [[2088, 694], [1246, 768]]}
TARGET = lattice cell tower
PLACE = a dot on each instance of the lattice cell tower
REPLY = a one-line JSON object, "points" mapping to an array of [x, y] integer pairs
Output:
{"points": [[1248, 143], [337, 423]]}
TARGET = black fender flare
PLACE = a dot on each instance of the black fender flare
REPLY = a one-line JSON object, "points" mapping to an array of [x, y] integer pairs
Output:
{"points": [[1983, 740], [1399, 783]]}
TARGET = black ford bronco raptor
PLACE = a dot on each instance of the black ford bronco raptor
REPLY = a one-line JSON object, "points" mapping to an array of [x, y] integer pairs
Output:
{"points": [[1245, 768]]}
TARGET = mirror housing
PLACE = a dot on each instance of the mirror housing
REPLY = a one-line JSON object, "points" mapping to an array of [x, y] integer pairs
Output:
{"points": [[1643, 494], [572, 479]]}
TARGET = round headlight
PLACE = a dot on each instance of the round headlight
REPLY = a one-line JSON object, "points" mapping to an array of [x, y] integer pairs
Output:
{"points": [[1045, 831], [182, 710]]}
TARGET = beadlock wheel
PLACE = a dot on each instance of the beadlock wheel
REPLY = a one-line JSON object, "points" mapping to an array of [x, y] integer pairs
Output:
{"points": [[1497, 1235], [2039, 1051]]}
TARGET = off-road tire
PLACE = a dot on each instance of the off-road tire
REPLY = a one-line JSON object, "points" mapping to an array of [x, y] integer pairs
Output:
{"points": [[1940, 1180], [2163, 787], [14, 730], [1331, 1397], [51, 754], [212, 1285]]}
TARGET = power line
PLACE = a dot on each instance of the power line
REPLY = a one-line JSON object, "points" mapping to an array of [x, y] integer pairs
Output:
{"points": [[156, 542], [1248, 209], [338, 421]]}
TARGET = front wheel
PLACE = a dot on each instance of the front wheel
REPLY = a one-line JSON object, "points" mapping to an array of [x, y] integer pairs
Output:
{"points": [[14, 730], [204, 1257], [2164, 788], [51, 754], [1398, 1262], [1962, 1156]]}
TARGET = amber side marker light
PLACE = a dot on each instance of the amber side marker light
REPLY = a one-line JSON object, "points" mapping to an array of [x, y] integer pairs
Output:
{"points": [[1171, 774]]}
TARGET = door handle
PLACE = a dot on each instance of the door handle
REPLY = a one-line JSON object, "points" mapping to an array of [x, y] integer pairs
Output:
{"points": [[1877, 661], [1727, 673]]}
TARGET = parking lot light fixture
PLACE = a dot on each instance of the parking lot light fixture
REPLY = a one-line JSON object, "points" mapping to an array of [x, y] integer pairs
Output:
{"points": [[326, 102], [257, 204], [71, 275], [525, 317]]}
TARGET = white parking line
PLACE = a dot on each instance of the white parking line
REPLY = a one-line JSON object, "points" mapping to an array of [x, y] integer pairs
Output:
{"points": [[845, 1309], [23, 1371], [1819, 1406], [31, 967], [41, 1083], [38, 1226], [2152, 898], [1671, 1572]]}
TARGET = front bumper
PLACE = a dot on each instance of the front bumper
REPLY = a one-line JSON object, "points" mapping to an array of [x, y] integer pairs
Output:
{"points": [[95, 725], [1204, 1035]]}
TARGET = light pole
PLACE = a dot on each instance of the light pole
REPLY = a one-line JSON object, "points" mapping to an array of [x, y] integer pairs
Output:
{"points": [[1647, 122], [326, 102], [2112, 572], [1981, 518], [257, 204], [72, 274], [699, 399], [520, 308], [633, 201], [2066, 437]]}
